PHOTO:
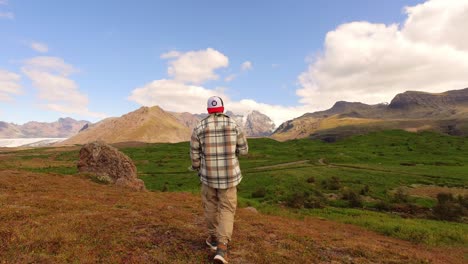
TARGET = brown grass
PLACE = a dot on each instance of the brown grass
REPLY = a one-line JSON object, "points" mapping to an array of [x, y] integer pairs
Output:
{"points": [[48, 218], [432, 191]]}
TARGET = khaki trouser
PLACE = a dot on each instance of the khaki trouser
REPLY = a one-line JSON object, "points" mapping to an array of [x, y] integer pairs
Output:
{"points": [[220, 207]]}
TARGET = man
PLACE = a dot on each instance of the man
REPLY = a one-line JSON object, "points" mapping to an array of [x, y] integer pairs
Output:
{"points": [[214, 147]]}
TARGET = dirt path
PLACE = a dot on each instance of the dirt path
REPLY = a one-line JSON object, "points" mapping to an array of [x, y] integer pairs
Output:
{"points": [[322, 161], [281, 165]]}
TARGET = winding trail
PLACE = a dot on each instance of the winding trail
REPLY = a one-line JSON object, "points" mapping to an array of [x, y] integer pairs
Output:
{"points": [[281, 165]]}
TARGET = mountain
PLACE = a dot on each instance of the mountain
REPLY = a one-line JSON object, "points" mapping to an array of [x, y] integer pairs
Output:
{"points": [[258, 125], [62, 128], [254, 123], [147, 124], [187, 119], [9, 130], [412, 111]]}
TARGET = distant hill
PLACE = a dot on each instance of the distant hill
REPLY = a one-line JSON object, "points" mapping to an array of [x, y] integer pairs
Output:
{"points": [[412, 111], [62, 128], [9, 130], [147, 124]]}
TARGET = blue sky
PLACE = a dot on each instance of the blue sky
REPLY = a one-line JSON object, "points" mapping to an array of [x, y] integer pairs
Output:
{"points": [[94, 59]]}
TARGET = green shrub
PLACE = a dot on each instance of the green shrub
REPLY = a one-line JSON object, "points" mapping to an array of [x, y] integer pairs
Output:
{"points": [[332, 183], [352, 197], [305, 199], [382, 206], [448, 208], [365, 190], [259, 193], [463, 200], [401, 195]]}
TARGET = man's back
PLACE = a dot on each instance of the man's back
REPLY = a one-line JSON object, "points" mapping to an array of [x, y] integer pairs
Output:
{"points": [[216, 141]]}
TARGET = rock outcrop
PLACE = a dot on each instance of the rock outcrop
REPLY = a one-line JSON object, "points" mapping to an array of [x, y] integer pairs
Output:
{"points": [[109, 165]]}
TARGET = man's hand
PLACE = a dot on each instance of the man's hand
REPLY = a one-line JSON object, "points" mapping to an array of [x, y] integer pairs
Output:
{"points": [[190, 168]]}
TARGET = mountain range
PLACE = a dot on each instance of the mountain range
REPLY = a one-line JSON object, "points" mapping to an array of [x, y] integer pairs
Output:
{"points": [[62, 128], [153, 124], [445, 112]]}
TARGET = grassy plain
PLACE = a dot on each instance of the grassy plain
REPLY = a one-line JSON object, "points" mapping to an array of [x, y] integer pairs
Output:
{"points": [[301, 178]]}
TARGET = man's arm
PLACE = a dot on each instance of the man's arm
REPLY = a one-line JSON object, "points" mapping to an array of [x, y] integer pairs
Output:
{"points": [[195, 151], [242, 148]]}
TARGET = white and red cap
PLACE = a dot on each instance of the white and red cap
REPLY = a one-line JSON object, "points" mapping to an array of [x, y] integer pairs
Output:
{"points": [[215, 105]]}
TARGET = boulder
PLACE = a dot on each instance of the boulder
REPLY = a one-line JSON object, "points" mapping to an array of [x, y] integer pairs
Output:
{"points": [[110, 165]]}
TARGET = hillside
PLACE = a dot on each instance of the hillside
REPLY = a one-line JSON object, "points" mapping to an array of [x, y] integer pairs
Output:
{"points": [[147, 124], [412, 111], [62, 128], [52, 214], [52, 218]]}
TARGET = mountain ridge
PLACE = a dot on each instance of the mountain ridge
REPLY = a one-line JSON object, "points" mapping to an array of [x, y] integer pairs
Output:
{"points": [[146, 124], [414, 111], [62, 128]]}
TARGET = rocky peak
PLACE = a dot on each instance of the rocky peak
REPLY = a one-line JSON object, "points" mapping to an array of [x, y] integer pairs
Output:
{"points": [[411, 99], [258, 124]]}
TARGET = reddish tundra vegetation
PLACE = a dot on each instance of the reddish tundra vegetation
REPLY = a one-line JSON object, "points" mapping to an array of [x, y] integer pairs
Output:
{"points": [[50, 218]]}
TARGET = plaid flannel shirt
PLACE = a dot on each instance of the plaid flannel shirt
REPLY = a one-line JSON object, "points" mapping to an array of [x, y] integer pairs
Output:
{"points": [[215, 144]]}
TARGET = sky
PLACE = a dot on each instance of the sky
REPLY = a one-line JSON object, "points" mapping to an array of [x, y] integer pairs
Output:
{"points": [[95, 59]]}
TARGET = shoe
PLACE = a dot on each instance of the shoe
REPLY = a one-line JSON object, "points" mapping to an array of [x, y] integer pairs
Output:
{"points": [[212, 242], [221, 254]]}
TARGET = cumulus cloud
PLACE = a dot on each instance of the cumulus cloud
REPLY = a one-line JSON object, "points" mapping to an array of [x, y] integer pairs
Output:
{"points": [[7, 15], [50, 75], [182, 94], [175, 96], [39, 47], [360, 61], [9, 85], [247, 65], [371, 63], [195, 67]]}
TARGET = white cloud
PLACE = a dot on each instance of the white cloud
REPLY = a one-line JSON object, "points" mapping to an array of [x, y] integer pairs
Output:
{"points": [[39, 47], [7, 15], [50, 75], [9, 85], [230, 78], [438, 23], [174, 96], [195, 67], [372, 62], [361, 61], [51, 64], [247, 65], [178, 95], [171, 54]]}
